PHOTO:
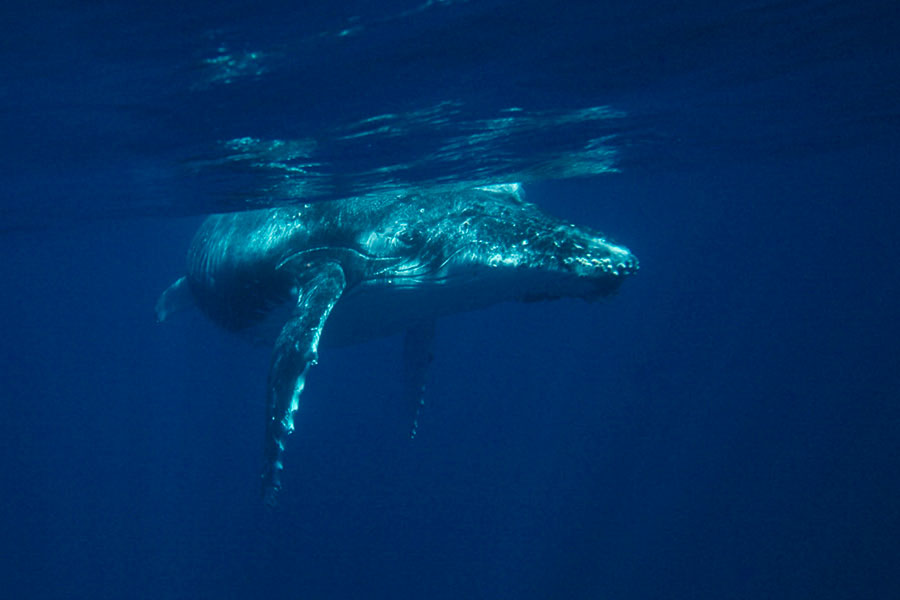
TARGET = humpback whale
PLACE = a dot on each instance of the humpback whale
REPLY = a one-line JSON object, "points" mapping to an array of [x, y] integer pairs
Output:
{"points": [[345, 271]]}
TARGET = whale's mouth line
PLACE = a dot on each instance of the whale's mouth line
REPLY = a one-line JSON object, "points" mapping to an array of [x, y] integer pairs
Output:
{"points": [[420, 266], [360, 255]]}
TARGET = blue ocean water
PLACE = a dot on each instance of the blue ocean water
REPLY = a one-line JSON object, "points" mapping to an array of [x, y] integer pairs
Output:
{"points": [[726, 426]]}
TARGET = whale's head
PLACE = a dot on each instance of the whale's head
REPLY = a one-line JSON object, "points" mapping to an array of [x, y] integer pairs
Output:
{"points": [[564, 260], [495, 246]]}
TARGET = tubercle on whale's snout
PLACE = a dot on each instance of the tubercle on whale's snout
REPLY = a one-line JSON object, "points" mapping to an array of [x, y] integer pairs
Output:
{"points": [[630, 266], [602, 259], [609, 272], [622, 261], [603, 266]]}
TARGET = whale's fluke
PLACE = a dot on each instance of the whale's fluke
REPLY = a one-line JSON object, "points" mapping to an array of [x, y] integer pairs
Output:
{"points": [[176, 297]]}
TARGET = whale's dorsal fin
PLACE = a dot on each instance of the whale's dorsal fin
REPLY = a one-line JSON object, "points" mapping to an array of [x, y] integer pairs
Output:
{"points": [[295, 350]]}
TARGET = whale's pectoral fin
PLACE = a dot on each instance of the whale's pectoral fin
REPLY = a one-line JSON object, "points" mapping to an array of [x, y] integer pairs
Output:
{"points": [[295, 350], [176, 297], [417, 355]]}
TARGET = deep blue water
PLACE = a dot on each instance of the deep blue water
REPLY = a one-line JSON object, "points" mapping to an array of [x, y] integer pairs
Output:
{"points": [[728, 426]]}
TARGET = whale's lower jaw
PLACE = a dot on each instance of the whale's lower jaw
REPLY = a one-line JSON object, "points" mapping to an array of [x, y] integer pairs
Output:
{"points": [[381, 308], [375, 310]]}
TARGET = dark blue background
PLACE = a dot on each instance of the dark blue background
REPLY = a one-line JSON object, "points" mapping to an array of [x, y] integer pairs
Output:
{"points": [[727, 426]]}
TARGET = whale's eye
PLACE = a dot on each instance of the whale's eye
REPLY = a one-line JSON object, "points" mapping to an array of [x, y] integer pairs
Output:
{"points": [[409, 237]]}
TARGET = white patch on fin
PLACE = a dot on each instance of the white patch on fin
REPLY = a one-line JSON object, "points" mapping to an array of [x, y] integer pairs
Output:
{"points": [[288, 420]]}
